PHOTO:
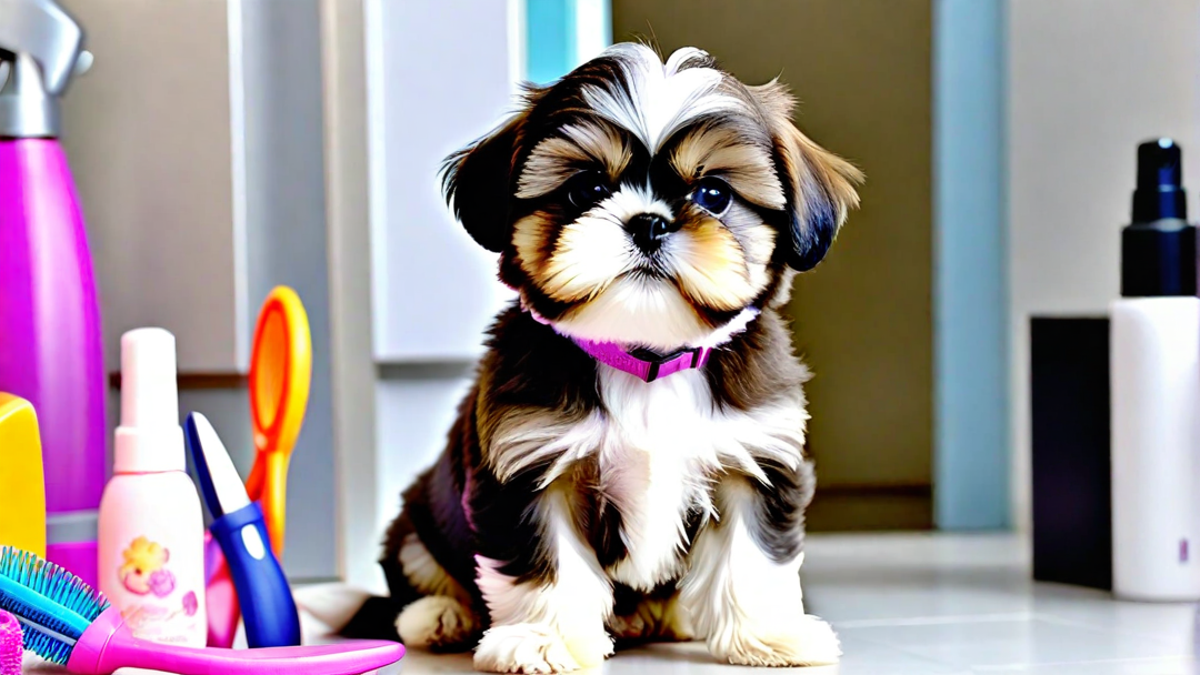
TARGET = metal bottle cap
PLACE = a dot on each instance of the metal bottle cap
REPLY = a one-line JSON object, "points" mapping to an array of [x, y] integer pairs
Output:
{"points": [[41, 49]]}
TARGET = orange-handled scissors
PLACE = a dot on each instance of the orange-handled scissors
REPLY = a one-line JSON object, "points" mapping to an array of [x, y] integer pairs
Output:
{"points": [[280, 375]]}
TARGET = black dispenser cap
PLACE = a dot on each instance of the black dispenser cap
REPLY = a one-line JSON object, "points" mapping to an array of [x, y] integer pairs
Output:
{"points": [[1159, 192], [1158, 249]]}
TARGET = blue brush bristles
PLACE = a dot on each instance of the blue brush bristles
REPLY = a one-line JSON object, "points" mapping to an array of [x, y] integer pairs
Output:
{"points": [[53, 605]]}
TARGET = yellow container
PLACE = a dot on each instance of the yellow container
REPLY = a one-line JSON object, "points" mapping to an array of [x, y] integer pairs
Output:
{"points": [[22, 484]]}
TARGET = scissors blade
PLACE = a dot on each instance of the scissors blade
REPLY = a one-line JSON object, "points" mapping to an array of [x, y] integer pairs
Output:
{"points": [[219, 480]]}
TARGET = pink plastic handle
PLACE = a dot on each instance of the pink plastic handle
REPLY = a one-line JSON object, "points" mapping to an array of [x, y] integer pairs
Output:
{"points": [[221, 601], [108, 645]]}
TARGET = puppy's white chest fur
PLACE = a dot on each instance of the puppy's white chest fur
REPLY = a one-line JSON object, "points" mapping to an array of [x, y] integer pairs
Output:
{"points": [[664, 443], [655, 466]]}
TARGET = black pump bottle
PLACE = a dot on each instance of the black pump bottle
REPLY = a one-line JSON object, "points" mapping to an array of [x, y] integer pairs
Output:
{"points": [[1158, 249]]}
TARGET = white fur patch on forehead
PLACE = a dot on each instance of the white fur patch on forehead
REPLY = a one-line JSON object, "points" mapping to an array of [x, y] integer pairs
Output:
{"points": [[555, 160], [657, 99]]}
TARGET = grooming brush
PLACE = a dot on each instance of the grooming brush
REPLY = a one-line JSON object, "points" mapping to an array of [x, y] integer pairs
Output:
{"points": [[68, 623], [11, 644]]}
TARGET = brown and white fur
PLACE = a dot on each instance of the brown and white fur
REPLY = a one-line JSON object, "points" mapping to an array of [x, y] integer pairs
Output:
{"points": [[649, 204]]}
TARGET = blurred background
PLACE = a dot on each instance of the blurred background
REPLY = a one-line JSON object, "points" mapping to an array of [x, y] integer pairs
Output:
{"points": [[222, 147]]}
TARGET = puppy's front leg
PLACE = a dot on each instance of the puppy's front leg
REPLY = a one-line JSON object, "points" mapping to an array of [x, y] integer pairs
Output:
{"points": [[551, 620], [743, 585]]}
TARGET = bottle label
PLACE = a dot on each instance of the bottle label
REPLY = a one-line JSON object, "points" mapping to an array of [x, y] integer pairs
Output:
{"points": [[158, 609]]}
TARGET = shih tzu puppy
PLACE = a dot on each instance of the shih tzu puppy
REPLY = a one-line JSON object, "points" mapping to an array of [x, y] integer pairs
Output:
{"points": [[629, 464]]}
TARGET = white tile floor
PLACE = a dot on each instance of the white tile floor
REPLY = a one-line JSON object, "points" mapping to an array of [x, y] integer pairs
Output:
{"points": [[940, 605], [937, 604]]}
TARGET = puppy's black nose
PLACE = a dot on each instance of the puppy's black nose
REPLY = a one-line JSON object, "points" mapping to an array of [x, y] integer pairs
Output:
{"points": [[649, 229]]}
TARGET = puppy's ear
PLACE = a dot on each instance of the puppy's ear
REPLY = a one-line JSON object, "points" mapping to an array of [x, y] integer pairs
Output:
{"points": [[819, 186], [477, 182]]}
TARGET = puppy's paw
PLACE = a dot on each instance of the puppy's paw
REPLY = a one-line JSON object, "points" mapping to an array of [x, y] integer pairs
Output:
{"points": [[653, 620], [636, 626], [436, 622], [527, 648], [806, 641]]}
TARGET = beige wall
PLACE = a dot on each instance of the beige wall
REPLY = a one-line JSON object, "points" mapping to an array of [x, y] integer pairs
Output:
{"points": [[862, 71], [1088, 81], [148, 130]]}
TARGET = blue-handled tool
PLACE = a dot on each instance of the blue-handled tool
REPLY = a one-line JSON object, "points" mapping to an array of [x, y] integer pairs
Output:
{"points": [[268, 609]]}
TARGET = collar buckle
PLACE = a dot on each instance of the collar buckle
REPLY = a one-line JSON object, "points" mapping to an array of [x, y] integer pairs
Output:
{"points": [[656, 361]]}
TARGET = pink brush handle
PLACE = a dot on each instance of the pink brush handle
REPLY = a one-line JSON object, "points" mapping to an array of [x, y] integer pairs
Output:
{"points": [[108, 645], [221, 598]]}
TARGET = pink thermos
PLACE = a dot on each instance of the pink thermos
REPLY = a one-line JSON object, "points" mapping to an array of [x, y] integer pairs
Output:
{"points": [[51, 346]]}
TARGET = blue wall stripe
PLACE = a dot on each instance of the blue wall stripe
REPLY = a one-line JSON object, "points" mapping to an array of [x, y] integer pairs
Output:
{"points": [[607, 7], [972, 450], [550, 39]]}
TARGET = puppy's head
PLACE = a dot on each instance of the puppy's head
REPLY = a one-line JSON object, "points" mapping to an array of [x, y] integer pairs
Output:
{"points": [[649, 203]]}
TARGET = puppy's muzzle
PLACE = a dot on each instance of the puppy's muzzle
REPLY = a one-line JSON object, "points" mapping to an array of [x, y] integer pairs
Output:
{"points": [[649, 229]]}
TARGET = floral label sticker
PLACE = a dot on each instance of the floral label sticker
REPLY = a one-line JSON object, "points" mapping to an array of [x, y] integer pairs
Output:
{"points": [[145, 573], [145, 569]]}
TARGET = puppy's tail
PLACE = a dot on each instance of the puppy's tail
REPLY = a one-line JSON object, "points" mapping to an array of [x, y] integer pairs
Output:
{"points": [[346, 611]]}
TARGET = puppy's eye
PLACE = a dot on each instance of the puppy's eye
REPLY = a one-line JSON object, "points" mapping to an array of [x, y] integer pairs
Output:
{"points": [[586, 189], [713, 195]]}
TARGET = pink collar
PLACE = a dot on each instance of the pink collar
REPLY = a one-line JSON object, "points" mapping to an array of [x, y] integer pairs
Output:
{"points": [[648, 366]]}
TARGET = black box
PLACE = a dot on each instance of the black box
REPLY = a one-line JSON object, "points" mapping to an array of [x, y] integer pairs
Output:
{"points": [[1070, 412]]}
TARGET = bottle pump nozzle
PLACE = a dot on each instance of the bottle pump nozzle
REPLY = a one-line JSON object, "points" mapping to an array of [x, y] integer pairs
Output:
{"points": [[1159, 192], [1158, 249], [149, 437], [41, 48]]}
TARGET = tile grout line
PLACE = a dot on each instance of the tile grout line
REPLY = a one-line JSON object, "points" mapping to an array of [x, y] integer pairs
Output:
{"points": [[1081, 624], [1020, 667], [933, 620]]}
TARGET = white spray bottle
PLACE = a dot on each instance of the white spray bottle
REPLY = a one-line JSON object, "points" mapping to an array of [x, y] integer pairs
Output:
{"points": [[1155, 371], [151, 543]]}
